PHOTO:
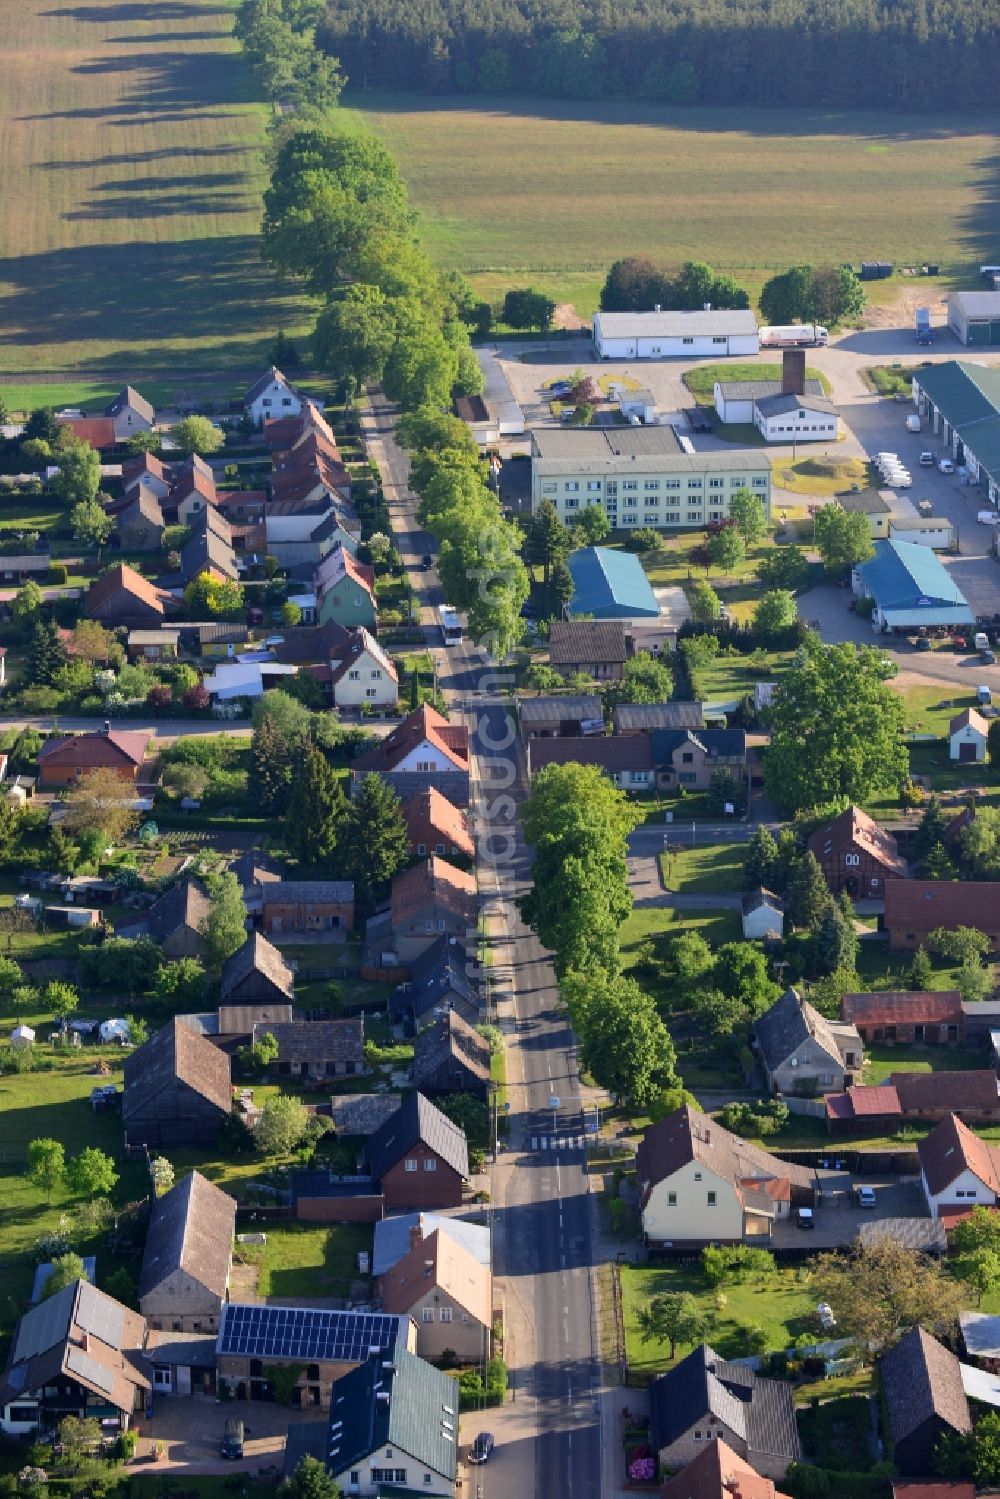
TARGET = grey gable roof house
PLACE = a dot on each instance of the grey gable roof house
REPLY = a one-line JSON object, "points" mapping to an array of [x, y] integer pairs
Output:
{"points": [[756, 1415], [405, 1404], [189, 1248], [417, 1120], [800, 1048], [257, 959], [174, 920]]}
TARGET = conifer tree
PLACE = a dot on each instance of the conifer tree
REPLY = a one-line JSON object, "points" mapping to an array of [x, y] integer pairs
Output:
{"points": [[316, 808], [374, 844]]}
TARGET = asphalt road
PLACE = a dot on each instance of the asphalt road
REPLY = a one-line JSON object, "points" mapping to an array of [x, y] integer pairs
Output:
{"points": [[542, 1220]]}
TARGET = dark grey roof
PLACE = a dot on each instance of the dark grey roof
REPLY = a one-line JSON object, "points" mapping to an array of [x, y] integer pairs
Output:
{"points": [[218, 632], [257, 955], [724, 743], [317, 1040], [191, 1228], [760, 1411], [310, 643], [778, 405], [193, 1350], [420, 1417], [254, 868], [179, 1052], [183, 905], [634, 716], [362, 1113], [927, 1235], [417, 1119], [865, 501], [790, 1021], [263, 381], [921, 1379], [759, 390], [210, 545], [451, 1040], [337, 892], [439, 976], [304, 1439], [573, 707], [127, 397], [572, 641], [754, 899]]}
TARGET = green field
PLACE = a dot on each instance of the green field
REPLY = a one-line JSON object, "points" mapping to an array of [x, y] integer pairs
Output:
{"points": [[132, 182], [552, 193]]}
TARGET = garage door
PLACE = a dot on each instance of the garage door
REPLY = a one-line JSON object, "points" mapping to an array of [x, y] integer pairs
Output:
{"points": [[967, 752], [979, 334]]}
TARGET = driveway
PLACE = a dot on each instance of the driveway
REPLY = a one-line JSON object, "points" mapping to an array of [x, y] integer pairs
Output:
{"points": [[190, 1428], [839, 1218]]}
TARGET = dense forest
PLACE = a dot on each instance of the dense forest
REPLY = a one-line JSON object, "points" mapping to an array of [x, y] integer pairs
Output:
{"points": [[899, 54]]}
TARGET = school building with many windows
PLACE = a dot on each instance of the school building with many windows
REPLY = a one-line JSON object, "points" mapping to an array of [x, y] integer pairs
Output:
{"points": [[642, 476]]}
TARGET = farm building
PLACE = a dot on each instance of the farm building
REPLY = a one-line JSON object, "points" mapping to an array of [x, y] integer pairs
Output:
{"points": [[910, 589], [188, 1257], [961, 402], [968, 732], [914, 908], [642, 476], [596, 647], [974, 317], [923, 1398], [674, 335], [177, 1089]]}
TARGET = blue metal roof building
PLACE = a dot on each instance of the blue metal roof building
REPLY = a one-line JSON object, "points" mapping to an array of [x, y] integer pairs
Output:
{"points": [[610, 585], [911, 588]]}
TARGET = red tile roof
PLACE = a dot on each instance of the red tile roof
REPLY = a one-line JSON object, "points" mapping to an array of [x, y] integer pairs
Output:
{"points": [[124, 579], [947, 1090], [903, 1007], [952, 1148], [720, 1473], [130, 743], [863, 1103], [435, 882], [430, 809], [855, 827], [423, 724], [921, 905], [99, 431]]}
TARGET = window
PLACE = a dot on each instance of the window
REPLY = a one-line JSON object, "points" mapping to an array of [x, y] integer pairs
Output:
{"points": [[715, 483], [427, 1315], [697, 1436], [421, 848], [409, 1164], [852, 860], [759, 483], [572, 486], [671, 1199], [688, 777], [718, 340], [687, 758], [430, 1164], [671, 483], [550, 489], [446, 1314], [630, 484], [354, 675], [737, 483], [389, 1475], [355, 1478], [651, 484], [671, 517], [715, 515], [371, 692], [23, 1414], [425, 765], [630, 502], [427, 1478], [428, 926], [694, 515], [569, 504], [694, 484], [697, 1176], [711, 1199], [376, 676], [593, 486]]}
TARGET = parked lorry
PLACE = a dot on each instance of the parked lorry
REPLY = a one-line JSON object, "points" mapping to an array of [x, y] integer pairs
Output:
{"points": [[922, 330], [793, 336]]}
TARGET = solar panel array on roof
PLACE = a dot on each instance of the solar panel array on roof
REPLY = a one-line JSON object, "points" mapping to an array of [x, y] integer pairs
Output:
{"points": [[45, 1325], [305, 1333], [88, 1368], [100, 1315]]}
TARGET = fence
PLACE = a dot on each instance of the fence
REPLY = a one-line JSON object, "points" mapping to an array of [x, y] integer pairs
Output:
{"points": [[616, 1297], [812, 1108]]}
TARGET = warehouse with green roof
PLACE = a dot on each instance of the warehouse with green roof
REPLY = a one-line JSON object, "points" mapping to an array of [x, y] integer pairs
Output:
{"points": [[608, 584], [961, 401], [910, 589]]}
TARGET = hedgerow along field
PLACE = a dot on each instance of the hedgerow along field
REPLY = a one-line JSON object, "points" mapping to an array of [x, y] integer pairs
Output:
{"points": [[130, 141], [551, 193]]}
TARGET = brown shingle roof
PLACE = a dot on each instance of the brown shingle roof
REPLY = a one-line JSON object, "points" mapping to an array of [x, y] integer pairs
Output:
{"points": [[124, 579], [686, 1135], [969, 719], [81, 1333], [318, 1040], [176, 1052], [947, 1090], [257, 955], [129, 744], [921, 905], [191, 1228], [855, 827], [572, 641], [436, 883], [611, 753], [439, 1262], [951, 1148], [429, 807], [922, 1379], [903, 1007], [424, 723], [128, 397]]}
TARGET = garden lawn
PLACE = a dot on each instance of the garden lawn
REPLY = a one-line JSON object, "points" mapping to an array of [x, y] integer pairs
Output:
{"points": [[663, 921], [310, 1260], [928, 712], [713, 869], [819, 476], [783, 1307], [880, 1060]]}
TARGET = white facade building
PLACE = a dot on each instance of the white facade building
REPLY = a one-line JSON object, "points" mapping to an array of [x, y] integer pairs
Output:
{"points": [[271, 397], [675, 335], [363, 673], [796, 418]]}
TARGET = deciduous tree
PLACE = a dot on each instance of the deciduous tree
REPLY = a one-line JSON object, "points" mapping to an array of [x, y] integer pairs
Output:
{"points": [[66, 1268], [91, 1173], [100, 802], [883, 1289], [674, 1318], [843, 538], [776, 611], [750, 514], [624, 1044], [197, 434], [224, 928], [46, 1165], [783, 567], [79, 476]]}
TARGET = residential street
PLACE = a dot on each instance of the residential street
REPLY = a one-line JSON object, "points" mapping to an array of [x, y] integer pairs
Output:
{"points": [[548, 1435]]}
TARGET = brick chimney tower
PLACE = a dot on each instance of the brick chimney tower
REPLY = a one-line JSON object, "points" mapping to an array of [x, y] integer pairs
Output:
{"points": [[793, 372]]}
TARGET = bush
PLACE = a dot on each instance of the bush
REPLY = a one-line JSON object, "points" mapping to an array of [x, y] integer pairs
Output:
{"points": [[58, 573]]}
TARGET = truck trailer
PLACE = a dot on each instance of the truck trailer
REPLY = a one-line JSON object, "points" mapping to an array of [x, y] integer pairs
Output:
{"points": [[793, 336], [922, 330]]}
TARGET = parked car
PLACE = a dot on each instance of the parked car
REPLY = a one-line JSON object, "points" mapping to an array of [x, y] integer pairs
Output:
{"points": [[946, 466], [923, 644], [827, 1320], [426, 561], [926, 459], [987, 657], [866, 1197], [804, 1219], [232, 1440], [481, 1448]]}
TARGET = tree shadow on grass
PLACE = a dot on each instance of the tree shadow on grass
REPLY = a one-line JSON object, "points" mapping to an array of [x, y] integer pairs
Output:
{"points": [[130, 158], [140, 10], [128, 206]]}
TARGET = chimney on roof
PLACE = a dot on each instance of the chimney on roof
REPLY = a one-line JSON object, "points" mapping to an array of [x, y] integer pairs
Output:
{"points": [[793, 372], [416, 1234], [708, 1137], [107, 726]]}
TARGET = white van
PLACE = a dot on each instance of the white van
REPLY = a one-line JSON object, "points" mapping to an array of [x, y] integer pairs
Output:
{"points": [[913, 423]]}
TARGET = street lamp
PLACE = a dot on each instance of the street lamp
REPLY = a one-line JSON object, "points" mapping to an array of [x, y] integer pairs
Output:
{"points": [[554, 1104]]}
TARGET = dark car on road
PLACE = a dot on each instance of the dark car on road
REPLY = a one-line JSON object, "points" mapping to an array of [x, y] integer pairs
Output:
{"points": [[232, 1440], [481, 1448]]}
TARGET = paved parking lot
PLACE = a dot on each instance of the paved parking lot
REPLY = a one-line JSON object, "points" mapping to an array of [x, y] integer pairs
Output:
{"points": [[190, 1429], [839, 1217]]}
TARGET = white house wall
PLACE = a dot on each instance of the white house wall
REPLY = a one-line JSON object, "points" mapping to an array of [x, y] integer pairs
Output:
{"points": [[418, 1478], [958, 1192]]}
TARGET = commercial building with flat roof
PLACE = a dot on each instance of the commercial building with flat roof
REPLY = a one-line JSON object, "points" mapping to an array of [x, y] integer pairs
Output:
{"points": [[641, 476], [672, 335], [910, 589]]}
